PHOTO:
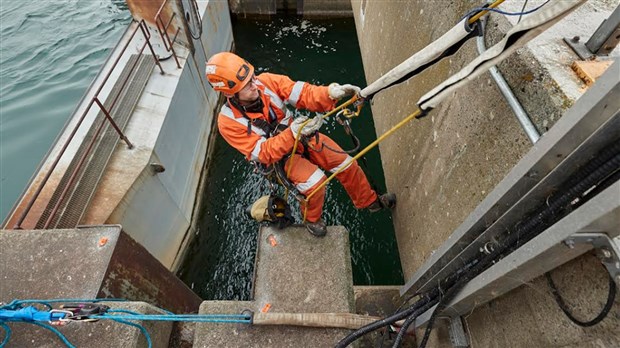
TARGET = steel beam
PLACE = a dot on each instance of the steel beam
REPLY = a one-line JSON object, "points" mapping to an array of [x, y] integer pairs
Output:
{"points": [[540, 255], [588, 127]]}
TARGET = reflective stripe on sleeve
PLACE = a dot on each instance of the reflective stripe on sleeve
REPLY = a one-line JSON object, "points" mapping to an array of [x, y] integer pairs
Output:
{"points": [[274, 98], [296, 93], [341, 165], [257, 148], [226, 111], [314, 179]]}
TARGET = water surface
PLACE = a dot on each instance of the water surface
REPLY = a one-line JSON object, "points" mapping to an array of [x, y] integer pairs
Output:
{"points": [[50, 51], [221, 260]]}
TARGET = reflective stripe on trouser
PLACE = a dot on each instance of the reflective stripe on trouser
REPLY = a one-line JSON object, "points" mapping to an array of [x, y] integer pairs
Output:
{"points": [[305, 175]]}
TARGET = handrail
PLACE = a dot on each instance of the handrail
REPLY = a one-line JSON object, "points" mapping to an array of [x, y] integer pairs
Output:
{"points": [[163, 32], [107, 113]]}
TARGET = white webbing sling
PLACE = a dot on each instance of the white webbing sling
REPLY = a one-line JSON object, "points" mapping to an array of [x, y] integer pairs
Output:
{"points": [[448, 44], [519, 35]]}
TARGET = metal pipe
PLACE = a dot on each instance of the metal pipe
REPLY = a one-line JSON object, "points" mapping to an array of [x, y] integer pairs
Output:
{"points": [[522, 117]]}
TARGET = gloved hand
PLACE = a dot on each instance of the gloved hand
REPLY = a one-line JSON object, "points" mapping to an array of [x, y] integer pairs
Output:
{"points": [[313, 126], [310, 128], [337, 91], [296, 124]]}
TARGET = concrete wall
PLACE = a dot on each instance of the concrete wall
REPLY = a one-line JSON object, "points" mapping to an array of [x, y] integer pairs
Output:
{"points": [[158, 208], [443, 165], [307, 8]]}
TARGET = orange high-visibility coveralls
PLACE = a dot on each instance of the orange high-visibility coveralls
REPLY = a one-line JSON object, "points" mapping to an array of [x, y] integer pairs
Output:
{"points": [[306, 174]]}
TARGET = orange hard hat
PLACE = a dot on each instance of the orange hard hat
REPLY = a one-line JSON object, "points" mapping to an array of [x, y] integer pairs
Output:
{"points": [[228, 73]]}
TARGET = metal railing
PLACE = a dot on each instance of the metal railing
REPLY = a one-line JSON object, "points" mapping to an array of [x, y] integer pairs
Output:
{"points": [[162, 28], [107, 113]]}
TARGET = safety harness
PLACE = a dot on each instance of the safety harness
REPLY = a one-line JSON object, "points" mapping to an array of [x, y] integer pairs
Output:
{"points": [[280, 216]]}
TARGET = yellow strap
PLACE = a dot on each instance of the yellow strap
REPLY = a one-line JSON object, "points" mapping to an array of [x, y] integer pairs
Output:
{"points": [[476, 17], [415, 114], [298, 135]]}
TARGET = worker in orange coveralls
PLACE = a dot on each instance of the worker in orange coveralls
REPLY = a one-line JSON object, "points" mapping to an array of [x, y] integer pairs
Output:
{"points": [[256, 121]]}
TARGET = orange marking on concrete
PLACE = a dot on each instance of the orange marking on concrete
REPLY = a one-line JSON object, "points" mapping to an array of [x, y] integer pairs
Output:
{"points": [[103, 241], [266, 308], [272, 240]]}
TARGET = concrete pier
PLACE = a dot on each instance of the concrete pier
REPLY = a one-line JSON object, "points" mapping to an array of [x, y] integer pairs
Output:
{"points": [[295, 273]]}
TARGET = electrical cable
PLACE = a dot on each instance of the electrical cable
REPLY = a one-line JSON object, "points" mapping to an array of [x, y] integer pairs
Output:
{"points": [[522, 9], [537, 222], [403, 330], [194, 10], [415, 309], [611, 297], [505, 13]]}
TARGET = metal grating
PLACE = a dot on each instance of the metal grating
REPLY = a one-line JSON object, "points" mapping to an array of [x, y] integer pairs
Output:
{"points": [[78, 196]]}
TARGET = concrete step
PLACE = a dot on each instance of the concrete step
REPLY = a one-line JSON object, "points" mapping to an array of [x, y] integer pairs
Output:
{"points": [[88, 263], [295, 272]]}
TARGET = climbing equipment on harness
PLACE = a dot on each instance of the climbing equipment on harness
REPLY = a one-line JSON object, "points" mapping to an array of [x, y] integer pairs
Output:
{"points": [[271, 209]]}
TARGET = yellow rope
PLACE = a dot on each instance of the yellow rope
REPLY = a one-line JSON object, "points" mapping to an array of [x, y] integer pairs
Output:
{"points": [[473, 19], [415, 114], [298, 135]]}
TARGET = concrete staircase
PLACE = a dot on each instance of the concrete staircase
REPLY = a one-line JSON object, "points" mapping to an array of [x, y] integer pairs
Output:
{"points": [[294, 273]]}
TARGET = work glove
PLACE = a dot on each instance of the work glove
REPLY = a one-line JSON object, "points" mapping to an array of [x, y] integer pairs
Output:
{"points": [[337, 91], [309, 129]]}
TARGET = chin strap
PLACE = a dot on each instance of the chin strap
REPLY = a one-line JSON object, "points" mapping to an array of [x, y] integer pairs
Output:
{"points": [[255, 106]]}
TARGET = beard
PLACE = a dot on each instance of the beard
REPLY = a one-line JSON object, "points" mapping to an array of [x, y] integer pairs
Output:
{"points": [[254, 106]]}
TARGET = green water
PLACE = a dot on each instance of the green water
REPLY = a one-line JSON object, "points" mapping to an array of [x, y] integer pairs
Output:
{"points": [[50, 51], [221, 260]]}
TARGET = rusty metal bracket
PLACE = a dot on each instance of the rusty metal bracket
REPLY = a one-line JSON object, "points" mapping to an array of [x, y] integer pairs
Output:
{"points": [[607, 250], [602, 42]]}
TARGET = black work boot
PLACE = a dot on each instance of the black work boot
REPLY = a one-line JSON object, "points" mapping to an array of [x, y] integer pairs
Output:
{"points": [[317, 229], [385, 201]]}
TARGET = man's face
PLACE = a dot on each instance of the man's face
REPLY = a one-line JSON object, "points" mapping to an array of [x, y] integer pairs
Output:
{"points": [[249, 93]]}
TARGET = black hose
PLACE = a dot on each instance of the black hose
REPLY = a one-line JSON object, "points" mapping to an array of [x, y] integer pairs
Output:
{"points": [[403, 330], [535, 224], [600, 168], [416, 309], [611, 297]]}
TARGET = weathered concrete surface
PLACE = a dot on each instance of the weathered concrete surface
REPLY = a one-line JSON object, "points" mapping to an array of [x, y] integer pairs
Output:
{"points": [[87, 263], [54, 264], [302, 273], [443, 165], [103, 333], [294, 273], [325, 8]]}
